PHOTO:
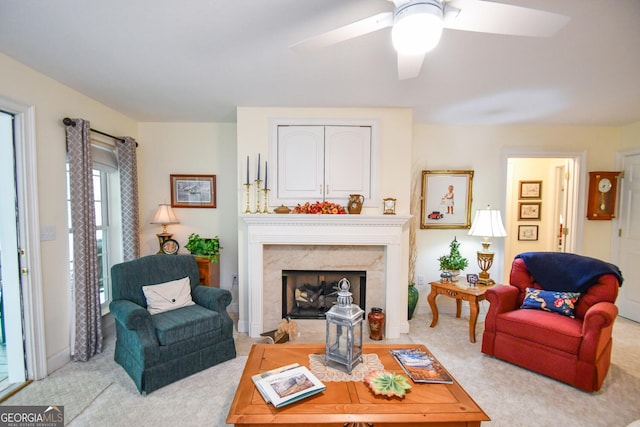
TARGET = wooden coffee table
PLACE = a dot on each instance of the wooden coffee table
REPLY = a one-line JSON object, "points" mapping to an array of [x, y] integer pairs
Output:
{"points": [[349, 403]]}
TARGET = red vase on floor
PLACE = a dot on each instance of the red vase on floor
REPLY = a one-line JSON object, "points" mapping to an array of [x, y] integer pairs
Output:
{"points": [[376, 323]]}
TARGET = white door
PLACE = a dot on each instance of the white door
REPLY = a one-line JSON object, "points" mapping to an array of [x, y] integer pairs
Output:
{"points": [[561, 228], [347, 162], [300, 167], [629, 241], [11, 298]]}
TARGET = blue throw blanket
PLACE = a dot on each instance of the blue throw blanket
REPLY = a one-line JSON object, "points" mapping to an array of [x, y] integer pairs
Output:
{"points": [[557, 271]]}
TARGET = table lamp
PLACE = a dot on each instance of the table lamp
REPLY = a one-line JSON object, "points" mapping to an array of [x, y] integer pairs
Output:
{"points": [[487, 223], [165, 216]]}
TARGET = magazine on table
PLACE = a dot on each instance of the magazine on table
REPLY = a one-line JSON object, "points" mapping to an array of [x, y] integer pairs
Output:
{"points": [[421, 366], [287, 384]]}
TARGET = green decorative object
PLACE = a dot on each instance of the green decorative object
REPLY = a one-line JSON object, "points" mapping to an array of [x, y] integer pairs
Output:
{"points": [[414, 295], [454, 260], [387, 383], [204, 247]]}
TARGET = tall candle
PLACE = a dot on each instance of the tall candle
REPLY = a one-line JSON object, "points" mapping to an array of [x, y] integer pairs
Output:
{"points": [[266, 174], [247, 169], [258, 166]]}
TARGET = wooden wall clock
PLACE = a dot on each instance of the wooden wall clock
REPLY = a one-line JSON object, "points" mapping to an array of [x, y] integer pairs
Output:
{"points": [[601, 202]]}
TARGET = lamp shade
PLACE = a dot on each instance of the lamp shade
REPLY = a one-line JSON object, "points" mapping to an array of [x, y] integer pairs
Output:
{"points": [[164, 215], [417, 27], [488, 223]]}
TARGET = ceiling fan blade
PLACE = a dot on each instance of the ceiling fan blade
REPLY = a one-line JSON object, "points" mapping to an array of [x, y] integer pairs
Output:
{"points": [[399, 3], [409, 66], [349, 31], [500, 18]]}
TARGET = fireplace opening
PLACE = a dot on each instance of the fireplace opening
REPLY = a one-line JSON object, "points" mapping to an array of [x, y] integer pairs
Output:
{"points": [[309, 294]]}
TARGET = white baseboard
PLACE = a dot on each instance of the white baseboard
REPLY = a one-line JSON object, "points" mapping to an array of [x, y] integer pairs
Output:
{"points": [[58, 360]]}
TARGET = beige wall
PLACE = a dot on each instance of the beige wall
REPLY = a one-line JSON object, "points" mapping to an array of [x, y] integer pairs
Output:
{"points": [[54, 101], [630, 136], [190, 148], [481, 149]]}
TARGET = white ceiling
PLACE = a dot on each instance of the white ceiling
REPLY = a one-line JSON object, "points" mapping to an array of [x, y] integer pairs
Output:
{"points": [[197, 60]]}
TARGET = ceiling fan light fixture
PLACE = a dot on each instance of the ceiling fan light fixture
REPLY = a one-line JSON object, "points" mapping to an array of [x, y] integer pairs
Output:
{"points": [[417, 27]]}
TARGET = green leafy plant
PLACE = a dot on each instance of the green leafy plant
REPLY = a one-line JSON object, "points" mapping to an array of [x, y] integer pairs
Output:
{"points": [[204, 246], [454, 260]]}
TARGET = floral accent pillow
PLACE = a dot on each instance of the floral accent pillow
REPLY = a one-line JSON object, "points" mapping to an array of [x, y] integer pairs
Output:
{"points": [[553, 301]]}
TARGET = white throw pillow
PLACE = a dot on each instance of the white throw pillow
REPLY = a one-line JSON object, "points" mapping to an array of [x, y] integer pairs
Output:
{"points": [[168, 296]]}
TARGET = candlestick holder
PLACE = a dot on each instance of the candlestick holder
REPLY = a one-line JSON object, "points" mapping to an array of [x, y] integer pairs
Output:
{"points": [[248, 187], [266, 198], [258, 181]]}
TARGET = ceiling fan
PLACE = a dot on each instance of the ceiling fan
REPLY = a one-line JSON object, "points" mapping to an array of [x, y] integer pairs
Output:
{"points": [[417, 26]]}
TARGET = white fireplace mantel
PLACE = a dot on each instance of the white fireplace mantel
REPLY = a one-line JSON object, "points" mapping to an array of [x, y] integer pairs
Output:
{"points": [[309, 229]]}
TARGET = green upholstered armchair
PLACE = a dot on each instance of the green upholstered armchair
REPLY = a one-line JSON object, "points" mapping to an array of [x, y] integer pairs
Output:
{"points": [[159, 349]]}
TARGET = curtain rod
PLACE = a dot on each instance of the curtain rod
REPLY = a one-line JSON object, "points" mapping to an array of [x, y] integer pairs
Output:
{"points": [[69, 122]]}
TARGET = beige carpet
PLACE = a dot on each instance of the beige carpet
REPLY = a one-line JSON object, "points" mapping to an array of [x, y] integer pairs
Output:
{"points": [[99, 393]]}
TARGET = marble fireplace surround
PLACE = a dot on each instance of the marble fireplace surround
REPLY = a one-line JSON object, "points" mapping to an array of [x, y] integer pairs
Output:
{"points": [[376, 237]]}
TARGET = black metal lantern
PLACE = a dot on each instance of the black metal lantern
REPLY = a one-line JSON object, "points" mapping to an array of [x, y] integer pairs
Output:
{"points": [[344, 330]]}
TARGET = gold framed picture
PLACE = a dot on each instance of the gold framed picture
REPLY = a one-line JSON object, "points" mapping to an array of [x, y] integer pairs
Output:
{"points": [[527, 232], [529, 210], [446, 199], [193, 191], [530, 190]]}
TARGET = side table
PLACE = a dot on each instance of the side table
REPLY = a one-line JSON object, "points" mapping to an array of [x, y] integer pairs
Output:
{"points": [[209, 272], [460, 291]]}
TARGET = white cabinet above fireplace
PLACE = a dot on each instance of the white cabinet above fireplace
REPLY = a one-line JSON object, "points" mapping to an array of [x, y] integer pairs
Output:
{"points": [[324, 162]]}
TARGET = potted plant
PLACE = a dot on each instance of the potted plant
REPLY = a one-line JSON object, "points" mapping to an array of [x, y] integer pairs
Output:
{"points": [[204, 247], [454, 261]]}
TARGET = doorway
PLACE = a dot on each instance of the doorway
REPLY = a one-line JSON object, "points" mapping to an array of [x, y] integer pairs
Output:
{"points": [[12, 367], [22, 308], [545, 220], [626, 242]]}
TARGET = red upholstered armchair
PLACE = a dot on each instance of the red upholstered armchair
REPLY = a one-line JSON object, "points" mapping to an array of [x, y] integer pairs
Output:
{"points": [[576, 351]]}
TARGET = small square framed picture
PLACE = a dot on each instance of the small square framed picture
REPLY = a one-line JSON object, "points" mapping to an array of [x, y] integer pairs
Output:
{"points": [[528, 232], [529, 210], [530, 190]]}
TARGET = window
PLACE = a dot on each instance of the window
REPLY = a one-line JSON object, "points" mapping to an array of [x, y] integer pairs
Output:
{"points": [[106, 203]]}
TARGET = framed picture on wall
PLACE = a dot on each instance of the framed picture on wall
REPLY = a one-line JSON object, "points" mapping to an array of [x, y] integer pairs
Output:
{"points": [[529, 210], [530, 190], [193, 191], [446, 199], [528, 232]]}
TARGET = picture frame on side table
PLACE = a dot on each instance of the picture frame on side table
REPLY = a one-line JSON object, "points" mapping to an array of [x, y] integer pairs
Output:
{"points": [[446, 199], [528, 232], [529, 210], [530, 190], [193, 191]]}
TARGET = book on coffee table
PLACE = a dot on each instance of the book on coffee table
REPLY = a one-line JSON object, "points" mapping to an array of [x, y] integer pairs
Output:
{"points": [[288, 384], [421, 366]]}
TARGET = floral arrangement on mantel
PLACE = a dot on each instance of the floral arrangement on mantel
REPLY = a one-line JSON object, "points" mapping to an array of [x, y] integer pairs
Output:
{"points": [[319, 208], [387, 383]]}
